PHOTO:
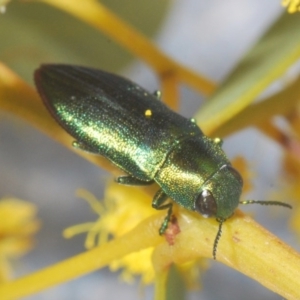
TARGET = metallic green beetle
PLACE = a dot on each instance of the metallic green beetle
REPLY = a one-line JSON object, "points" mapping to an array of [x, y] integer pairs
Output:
{"points": [[114, 117]]}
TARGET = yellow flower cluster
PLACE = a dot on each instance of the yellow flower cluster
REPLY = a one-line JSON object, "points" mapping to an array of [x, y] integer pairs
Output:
{"points": [[120, 213], [292, 5], [17, 226]]}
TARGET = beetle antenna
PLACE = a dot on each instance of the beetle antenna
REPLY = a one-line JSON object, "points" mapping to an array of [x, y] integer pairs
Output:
{"points": [[218, 236], [262, 202]]}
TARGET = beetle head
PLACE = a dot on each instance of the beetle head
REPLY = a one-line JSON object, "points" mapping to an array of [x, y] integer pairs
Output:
{"points": [[220, 194]]}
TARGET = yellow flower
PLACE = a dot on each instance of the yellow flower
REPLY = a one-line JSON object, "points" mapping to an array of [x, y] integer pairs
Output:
{"points": [[123, 209], [17, 226], [119, 213], [292, 5]]}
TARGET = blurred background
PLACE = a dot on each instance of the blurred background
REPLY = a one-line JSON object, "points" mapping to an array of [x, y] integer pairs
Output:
{"points": [[208, 36]]}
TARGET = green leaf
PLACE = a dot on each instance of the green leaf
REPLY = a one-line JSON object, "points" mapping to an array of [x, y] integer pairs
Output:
{"points": [[35, 33], [269, 59], [281, 103]]}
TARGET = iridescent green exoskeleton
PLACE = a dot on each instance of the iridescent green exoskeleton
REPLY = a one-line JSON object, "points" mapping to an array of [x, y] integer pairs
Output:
{"points": [[114, 117]]}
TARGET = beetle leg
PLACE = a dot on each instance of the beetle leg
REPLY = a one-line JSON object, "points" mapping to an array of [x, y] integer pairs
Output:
{"points": [[157, 203], [130, 180]]}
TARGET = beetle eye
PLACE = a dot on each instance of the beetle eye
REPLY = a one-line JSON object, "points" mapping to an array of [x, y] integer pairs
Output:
{"points": [[206, 204]]}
